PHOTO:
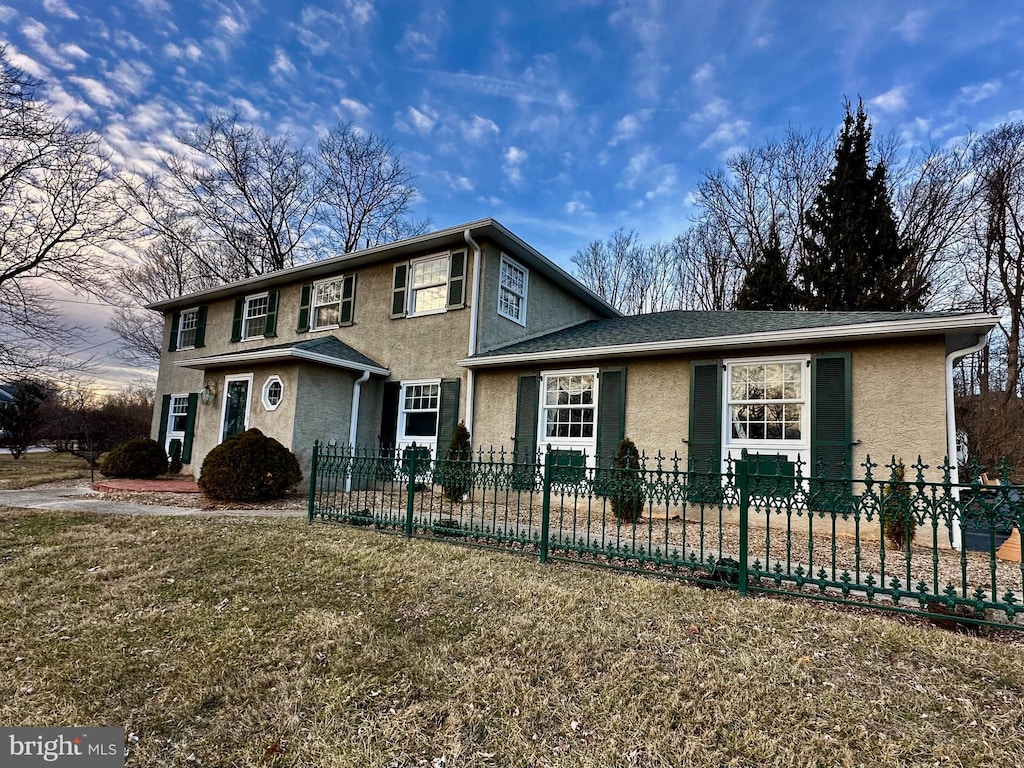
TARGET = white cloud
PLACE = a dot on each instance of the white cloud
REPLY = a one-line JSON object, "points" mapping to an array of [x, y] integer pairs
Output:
{"points": [[282, 65], [729, 132], [75, 51], [353, 109], [715, 110], [912, 25], [7, 13], [27, 63], [415, 120], [477, 128], [457, 183], [154, 7], [360, 10], [59, 8], [972, 94], [125, 39], [249, 112], [574, 207], [514, 157], [36, 34], [893, 100], [232, 26], [189, 51], [131, 76], [637, 167], [97, 92], [703, 75], [629, 126]]}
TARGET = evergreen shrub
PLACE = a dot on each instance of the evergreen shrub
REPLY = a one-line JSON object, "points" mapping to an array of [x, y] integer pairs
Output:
{"points": [[249, 467], [627, 487], [139, 458]]}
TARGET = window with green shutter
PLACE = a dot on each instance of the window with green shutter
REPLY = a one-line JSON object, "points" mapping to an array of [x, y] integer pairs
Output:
{"points": [[831, 415], [704, 446], [524, 451]]}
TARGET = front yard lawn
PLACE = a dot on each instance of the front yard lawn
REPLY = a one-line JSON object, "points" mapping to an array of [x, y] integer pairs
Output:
{"points": [[220, 642], [38, 468]]}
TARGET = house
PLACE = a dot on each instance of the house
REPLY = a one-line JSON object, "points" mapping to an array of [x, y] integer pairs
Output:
{"points": [[361, 348], [393, 345]]}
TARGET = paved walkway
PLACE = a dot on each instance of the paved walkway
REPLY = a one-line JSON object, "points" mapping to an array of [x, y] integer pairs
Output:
{"points": [[83, 499]]}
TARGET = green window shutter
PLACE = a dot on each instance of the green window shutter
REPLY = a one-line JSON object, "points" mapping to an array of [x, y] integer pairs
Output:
{"points": [[456, 280], [236, 321], [389, 414], [611, 413], [705, 438], [271, 329], [448, 415], [399, 290], [304, 302], [190, 427], [525, 440], [348, 300], [831, 415], [175, 323], [165, 412], [200, 327]]}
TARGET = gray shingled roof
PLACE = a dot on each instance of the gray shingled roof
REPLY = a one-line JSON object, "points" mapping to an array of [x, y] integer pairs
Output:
{"points": [[327, 346], [683, 325]]}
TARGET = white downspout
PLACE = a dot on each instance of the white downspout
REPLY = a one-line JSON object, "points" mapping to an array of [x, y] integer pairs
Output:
{"points": [[474, 318], [951, 457], [353, 420]]}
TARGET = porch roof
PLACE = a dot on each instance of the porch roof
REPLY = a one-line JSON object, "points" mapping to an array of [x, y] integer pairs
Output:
{"points": [[326, 350]]}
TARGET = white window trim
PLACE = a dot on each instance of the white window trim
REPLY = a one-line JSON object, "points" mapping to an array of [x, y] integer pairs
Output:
{"points": [[180, 330], [421, 440], [587, 444], [224, 405], [172, 434], [266, 394], [245, 317], [792, 449], [410, 298], [505, 259], [313, 306]]}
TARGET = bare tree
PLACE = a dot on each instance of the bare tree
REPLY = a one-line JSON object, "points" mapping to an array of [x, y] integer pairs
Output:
{"points": [[707, 275], [365, 190], [604, 267], [56, 214]]}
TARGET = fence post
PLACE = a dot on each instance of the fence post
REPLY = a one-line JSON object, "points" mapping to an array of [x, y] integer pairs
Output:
{"points": [[743, 483], [410, 497], [312, 482], [545, 510]]}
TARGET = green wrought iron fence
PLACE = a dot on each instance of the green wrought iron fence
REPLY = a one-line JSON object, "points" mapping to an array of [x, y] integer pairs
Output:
{"points": [[896, 543]]}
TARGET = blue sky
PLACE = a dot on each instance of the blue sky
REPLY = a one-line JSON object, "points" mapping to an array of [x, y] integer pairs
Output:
{"points": [[563, 119]]}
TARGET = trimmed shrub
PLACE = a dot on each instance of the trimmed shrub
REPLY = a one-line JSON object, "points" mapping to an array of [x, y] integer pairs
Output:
{"points": [[139, 457], [174, 465], [249, 467], [456, 473], [627, 486]]}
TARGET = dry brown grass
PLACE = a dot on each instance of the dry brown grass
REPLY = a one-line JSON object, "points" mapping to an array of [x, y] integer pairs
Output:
{"points": [[39, 468], [221, 642]]}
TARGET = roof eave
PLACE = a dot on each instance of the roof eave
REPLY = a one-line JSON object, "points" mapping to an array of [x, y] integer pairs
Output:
{"points": [[483, 228], [979, 323]]}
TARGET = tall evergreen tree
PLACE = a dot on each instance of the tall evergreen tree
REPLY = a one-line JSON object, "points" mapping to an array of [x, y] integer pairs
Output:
{"points": [[853, 257], [767, 284]]}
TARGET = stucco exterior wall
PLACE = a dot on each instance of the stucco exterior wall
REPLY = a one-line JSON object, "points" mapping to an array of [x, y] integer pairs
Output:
{"points": [[331, 390], [898, 400], [548, 307]]}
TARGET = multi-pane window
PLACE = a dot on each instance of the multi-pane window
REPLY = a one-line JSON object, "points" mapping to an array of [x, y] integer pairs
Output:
{"points": [[569, 405], [512, 291], [428, 285], [187, 325], [420, 404], [273, 392], [256, 308], [327, 304], [177, 417], [766, 401]]}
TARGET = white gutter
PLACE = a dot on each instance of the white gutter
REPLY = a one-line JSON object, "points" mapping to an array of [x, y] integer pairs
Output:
{"points": [[893, 328], [474, 318], [951, 458], [353, 421]]}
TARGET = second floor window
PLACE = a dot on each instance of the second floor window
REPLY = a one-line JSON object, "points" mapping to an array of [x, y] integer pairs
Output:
{"points": [[187, 326], [428, 285], [326, 304], [255, 323], [512, 291]]}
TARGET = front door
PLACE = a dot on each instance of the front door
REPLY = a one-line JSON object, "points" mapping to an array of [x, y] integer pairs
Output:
{"points": [[236, 406]]}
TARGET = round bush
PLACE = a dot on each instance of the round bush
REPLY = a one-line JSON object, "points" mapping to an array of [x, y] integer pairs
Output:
{"points": [[249, 467], [139, 457]]}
